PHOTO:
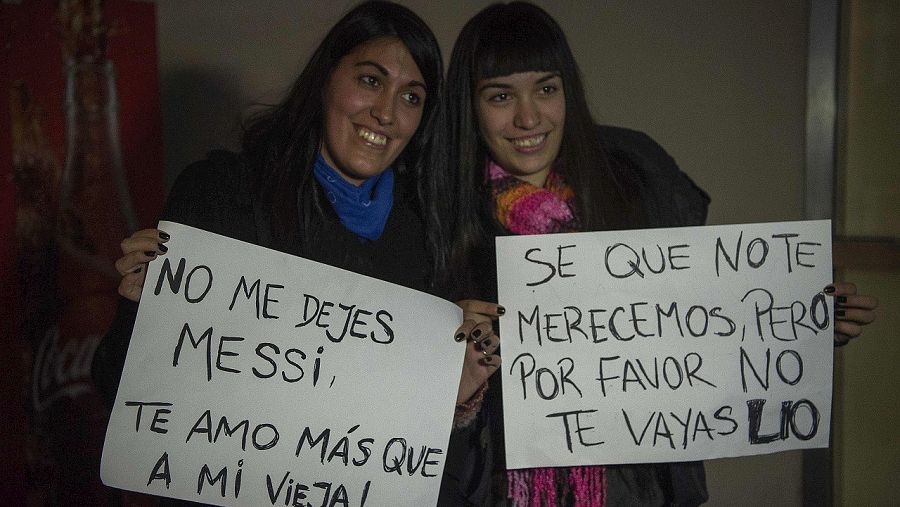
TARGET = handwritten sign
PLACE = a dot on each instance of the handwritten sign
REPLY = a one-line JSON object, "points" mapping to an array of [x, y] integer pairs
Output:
{"points": [[665, 345], [258, 378]]}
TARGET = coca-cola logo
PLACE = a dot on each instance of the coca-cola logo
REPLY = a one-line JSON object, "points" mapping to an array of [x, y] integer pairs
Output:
{"points": [[61, 371]]}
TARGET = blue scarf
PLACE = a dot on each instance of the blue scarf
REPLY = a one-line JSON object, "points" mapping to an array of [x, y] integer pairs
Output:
{"points": [[362, 209]]}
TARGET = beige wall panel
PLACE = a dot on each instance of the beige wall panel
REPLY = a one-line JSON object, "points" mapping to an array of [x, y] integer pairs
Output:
{"points": [[867, 389], [871, 177], [867, 398]]}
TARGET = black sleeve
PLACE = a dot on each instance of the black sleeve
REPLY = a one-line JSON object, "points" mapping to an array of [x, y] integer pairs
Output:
{"points": [[671, 198], [213, 194], [468, 467], [109, 358], [688, 483]]}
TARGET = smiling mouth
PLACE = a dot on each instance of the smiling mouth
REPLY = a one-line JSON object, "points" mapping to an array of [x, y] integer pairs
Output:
{"points": [[531, 143], [371, 137]]}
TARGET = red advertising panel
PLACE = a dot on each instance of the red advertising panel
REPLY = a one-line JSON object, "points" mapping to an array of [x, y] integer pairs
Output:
{"points": [[81, 165]]}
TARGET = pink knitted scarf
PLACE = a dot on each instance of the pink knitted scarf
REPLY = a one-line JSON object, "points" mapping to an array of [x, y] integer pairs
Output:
{"points": [[526, 209], [539, 487]]}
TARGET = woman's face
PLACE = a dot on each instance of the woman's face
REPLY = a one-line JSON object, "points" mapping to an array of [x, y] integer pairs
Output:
{"points": [[521, 117], [373, 106]]}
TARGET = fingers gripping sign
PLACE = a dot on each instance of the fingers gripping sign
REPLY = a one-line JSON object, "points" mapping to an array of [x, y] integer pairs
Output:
{"points": [[482, 344], [137, 250], [852, 311]]}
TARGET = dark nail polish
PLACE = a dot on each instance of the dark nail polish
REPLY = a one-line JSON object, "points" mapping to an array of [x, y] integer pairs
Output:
{"points": [[841, 299], [839, 313], [138, 270], [459, 336], [476, 333], [501, 310], [163, 236], [829, 289], [150, 253], [486, 343], [162, 248], [488, 360]]}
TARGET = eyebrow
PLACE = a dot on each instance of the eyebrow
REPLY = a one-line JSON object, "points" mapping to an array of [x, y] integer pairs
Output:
{"points": [[384, 72], [506, 86]]}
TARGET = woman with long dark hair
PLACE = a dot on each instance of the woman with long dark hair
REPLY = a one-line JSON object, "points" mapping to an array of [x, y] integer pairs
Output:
{"points": [[531, 160], [342, 171]]}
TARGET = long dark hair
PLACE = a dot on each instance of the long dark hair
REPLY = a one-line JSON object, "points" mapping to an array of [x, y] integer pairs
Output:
{"points": [[283, 141], [506, 39]]}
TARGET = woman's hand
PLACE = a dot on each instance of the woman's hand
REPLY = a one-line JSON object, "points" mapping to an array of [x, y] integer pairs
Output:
{"points": [[137, 250], [851, 311], [478, 331]]}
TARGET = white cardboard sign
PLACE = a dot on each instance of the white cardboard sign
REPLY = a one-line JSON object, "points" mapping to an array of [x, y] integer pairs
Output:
{"points": [[666, 344], [258, 378]]}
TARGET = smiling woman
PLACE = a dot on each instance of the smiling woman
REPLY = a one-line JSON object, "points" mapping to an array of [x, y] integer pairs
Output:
{"points": [[373, 105], [521, 117], [530, 160], [343, 171]]}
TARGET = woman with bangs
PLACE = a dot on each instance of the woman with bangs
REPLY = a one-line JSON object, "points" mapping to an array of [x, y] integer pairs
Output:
{"points": [[531, 160]]}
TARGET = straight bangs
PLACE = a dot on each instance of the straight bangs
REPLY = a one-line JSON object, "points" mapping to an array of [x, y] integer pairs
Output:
{"points": [[502, 55], [515, 38]]}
